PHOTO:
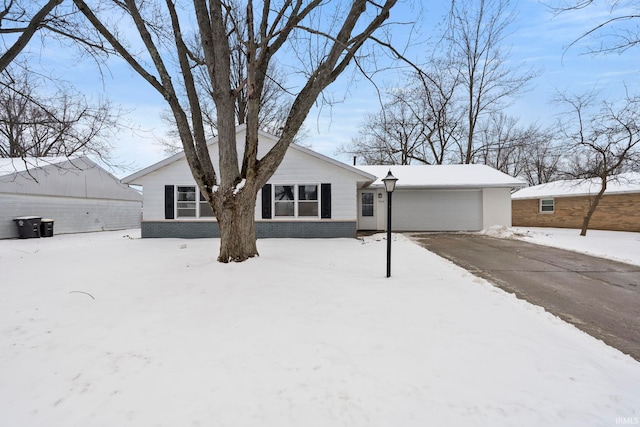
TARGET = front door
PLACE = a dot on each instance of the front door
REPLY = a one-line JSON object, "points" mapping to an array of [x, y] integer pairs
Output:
{"points": [[367, 211]]}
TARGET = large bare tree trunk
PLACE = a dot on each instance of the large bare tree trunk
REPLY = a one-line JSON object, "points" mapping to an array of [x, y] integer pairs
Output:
{"points": [[268, 29], [237, 228]]}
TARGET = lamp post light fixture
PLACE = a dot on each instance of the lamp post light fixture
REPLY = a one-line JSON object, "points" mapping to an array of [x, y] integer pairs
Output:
{"points": [[389, 185]]}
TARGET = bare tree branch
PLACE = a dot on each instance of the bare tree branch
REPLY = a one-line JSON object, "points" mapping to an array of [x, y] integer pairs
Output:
{"points": [[228, 35], [35, 23], [605, 140]]}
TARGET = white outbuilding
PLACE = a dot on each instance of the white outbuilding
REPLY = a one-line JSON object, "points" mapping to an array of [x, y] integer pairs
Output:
{"points": [[76, 193]]}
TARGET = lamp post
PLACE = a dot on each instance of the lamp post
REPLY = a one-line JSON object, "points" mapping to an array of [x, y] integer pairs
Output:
{"points": [[389, 185]]}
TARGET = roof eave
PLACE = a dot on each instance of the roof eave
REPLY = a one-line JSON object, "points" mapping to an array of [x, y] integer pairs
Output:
{"points": [[451, 186], [178, 156], [130, 179], [555, 196]]}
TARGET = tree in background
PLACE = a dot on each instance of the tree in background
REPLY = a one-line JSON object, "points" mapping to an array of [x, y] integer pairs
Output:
{"points": [[466, 81], [322, 37], [543, 159], [392, 136], [616, 33], [41, 115], [526, 151], [435, 106], [476, 41], [38, 122], [604, 138], [502, 143], [419, 121]]}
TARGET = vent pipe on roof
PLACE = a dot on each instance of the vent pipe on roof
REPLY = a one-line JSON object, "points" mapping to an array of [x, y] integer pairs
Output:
{"points": [[354, 160]]}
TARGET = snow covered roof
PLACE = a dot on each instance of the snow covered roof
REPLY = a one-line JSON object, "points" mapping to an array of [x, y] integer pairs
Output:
{"points": [[10, 166], [444, 176], [623, 183], [77, 176]]}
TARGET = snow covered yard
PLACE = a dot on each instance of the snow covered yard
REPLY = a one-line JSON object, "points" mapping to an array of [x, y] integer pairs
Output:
{"points": [[616, 245], [106, 329]]}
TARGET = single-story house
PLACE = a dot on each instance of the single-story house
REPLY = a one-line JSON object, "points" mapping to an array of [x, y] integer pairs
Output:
{"points": [[564, 203], [312, 195], [76, 193]]}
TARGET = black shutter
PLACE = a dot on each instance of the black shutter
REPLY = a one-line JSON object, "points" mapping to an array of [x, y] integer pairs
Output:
{"points": [[266, 201], [168, 202], [325, 201]]}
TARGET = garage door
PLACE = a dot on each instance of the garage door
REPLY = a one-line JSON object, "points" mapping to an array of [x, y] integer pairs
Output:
{"points": [[433, 210]]}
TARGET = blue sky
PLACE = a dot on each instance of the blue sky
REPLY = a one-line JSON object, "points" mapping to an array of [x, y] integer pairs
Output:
{"points": [[539, 39]]}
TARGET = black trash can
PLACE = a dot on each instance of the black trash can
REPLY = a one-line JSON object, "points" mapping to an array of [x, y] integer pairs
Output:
{"points": [[46, 227], [28, 226]]}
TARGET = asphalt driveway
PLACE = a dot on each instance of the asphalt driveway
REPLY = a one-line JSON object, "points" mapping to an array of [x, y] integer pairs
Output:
{"points": [[598, 296]]}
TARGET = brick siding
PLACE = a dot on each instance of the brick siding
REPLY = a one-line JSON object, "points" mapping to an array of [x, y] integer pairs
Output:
{"points": [[619, 212], [264, 229]]}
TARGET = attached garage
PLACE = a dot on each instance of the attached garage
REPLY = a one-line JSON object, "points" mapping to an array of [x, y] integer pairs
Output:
{"points": [[437, 210], [439, 198]]}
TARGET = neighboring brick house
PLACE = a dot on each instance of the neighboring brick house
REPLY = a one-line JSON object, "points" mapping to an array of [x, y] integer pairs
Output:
{"points": [[563, 204]]}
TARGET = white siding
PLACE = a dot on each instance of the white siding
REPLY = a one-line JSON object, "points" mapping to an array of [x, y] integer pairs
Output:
{"points": [[446, 210], [297, 167], [300, 168], [496, 205], [177, 173], [71, 215]]}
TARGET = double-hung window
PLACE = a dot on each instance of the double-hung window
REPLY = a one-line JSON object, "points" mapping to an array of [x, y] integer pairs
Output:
{"points": [[188, 207], [308, 200], [284, 200], [296, 200], [547, 205]]}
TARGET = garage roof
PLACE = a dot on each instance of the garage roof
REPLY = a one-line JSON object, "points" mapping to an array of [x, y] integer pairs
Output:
{"points": [[444, 176]]}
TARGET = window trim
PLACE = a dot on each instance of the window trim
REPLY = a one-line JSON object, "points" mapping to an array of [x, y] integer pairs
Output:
{"points": [[197, 202], [275, 202], [541, 205], [178, 202], [296, 201], [308, 201]]}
